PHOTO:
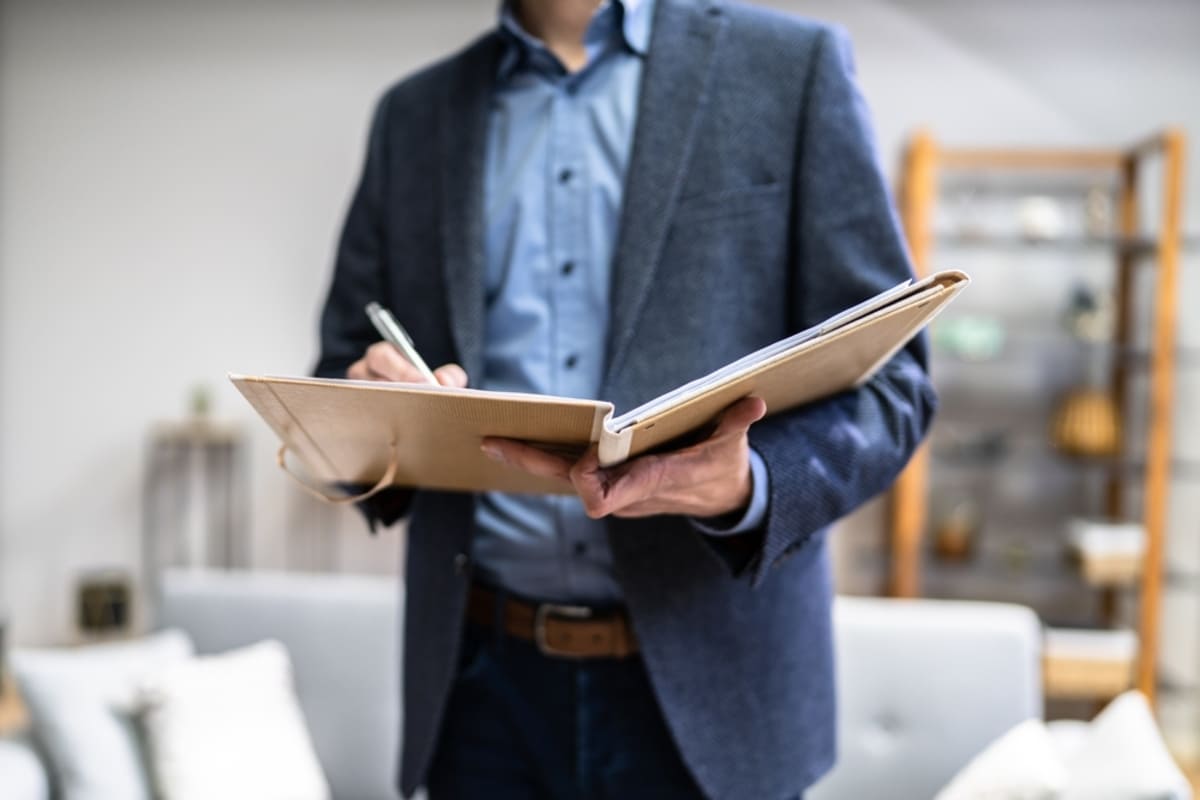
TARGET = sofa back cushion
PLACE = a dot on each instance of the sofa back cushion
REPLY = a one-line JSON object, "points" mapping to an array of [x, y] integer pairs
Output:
{"points": [[923, 686]]}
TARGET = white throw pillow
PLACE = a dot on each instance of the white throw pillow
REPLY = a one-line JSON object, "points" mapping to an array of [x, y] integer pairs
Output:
{"points": [[229, 726], [1122, 756], [1020, 765], [81, 702]]}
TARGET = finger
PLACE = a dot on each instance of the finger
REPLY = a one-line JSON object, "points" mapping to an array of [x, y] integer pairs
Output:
{"points": [[608, 491], [588, 465], [738, 418], [386, 362], [451, 375], [361, 371], [358, 371], [591, 482], [650, 508], [526, 457]]}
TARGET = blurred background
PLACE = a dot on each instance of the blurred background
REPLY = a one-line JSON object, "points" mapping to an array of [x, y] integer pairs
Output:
{"points": [[175, 174]]}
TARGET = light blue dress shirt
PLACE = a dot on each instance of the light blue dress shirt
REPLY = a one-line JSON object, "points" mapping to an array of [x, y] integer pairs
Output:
{"points": [[557, 150]]}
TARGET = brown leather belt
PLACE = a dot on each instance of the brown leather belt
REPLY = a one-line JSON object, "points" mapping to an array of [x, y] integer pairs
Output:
{"points": [[559, 631]]}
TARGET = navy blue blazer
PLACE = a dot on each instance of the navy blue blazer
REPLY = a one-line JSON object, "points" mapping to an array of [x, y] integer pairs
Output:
{"points": [[754, 207]]}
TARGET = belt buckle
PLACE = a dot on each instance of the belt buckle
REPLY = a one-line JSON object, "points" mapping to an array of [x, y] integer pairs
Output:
{"points": [[539, 625]]}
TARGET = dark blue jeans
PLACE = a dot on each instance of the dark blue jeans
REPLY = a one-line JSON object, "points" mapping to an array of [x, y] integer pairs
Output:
{"points": [[522, 725]]}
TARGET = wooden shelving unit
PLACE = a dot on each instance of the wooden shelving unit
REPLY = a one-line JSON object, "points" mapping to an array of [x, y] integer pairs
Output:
{"points": [[1137, 242]]}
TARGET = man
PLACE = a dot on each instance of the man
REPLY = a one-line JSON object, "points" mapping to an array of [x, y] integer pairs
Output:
{"points": [[608, 200]]}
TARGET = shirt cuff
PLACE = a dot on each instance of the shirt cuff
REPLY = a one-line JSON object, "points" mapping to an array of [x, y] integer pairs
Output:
{"points": [[755, 512]]}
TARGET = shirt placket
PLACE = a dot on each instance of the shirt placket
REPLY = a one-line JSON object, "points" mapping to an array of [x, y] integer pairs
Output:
{"points": [[574, 367]]}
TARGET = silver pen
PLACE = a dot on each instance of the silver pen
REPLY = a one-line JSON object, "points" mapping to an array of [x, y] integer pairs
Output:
{"points": [[392, 332]]}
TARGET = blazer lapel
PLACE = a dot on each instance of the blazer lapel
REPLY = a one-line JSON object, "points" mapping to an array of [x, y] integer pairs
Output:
{"points": [[463, 139], [673, 96]]}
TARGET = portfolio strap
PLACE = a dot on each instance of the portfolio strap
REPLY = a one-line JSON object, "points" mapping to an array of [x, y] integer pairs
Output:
{"points": [[341, 499]]}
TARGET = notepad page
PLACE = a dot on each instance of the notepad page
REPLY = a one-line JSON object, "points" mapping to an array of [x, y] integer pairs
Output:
{"points": [[772, 351]]}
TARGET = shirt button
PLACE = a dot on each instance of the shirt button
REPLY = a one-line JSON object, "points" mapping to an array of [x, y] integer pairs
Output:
{"points": [[460, 563], [568, 268], [571, 362], [565, 176], [580, 548]]}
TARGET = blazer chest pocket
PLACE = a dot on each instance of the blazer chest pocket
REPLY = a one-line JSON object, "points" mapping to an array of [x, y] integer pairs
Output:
{"points": [[726, 203]]}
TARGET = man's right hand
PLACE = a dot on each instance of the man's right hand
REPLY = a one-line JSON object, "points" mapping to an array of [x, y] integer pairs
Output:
{"points": [[383, 362]]}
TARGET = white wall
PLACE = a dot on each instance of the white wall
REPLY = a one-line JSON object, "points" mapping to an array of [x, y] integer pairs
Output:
{"points": [[174, 175]]}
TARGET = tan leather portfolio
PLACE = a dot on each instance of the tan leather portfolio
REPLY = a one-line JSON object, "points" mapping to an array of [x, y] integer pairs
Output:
{"points": [[421, 435]]}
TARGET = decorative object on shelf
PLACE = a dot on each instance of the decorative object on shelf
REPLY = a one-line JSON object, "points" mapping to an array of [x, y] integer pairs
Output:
{"points": [[1085, 664], [1087, 421], [1109, 553], [1089, 314], [975, 446], [1017, 557], [104, 602], [1041, 218], [970, 337], [1097, 208], [965, 203], [956, 534], [194, 494], [201, 401], [1086, 424]]}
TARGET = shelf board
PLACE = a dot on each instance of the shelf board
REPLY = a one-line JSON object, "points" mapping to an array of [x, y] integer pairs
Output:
{"points": [[1180, 468], [1031, 564], [196, 432], [1134, 246], [1018, 349], [1008, 159], [1085, 681], [1176, 579], [1178, 688], [1066, 600], [1054, 565], [1025, 453]]}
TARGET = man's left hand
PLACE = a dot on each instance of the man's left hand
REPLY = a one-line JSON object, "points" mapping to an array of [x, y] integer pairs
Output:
{"points": [[708, 479]]}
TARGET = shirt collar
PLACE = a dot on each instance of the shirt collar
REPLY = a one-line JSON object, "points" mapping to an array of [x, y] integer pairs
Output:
{"points": [[636, 24], [634, 15]]}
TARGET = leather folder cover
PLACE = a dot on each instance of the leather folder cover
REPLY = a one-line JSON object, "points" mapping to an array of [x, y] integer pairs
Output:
{"points": [[420, 435]]}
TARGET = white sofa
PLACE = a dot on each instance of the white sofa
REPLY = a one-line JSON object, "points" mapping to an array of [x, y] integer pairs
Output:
{"points": [[924, 685]]}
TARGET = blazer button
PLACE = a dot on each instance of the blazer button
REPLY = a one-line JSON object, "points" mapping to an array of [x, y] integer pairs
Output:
{"points": [[461, 562]]}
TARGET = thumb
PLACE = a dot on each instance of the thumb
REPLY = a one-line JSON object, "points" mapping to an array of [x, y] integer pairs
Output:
{"points": [[451, 375], [738, 418]]}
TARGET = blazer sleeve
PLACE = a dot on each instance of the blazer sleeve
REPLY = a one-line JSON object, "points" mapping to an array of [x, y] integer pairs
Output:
{"points": [[358, 278], [827, 458]]}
